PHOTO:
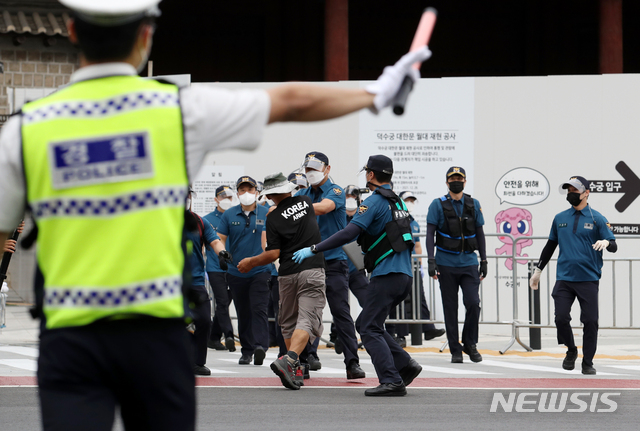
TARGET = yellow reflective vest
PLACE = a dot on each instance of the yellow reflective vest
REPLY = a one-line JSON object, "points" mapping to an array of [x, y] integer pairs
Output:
{"points": [[104, 164]]}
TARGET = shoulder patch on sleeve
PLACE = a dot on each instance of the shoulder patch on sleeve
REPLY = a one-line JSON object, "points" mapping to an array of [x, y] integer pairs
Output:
{"points": [[609, 226], [363, 209], [337, 191]]}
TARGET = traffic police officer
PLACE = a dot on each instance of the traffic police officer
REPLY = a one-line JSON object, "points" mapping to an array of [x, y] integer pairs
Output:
{"points": [[456, 221], [581, 233], [101, 326], [221, 322], [382, 225], [244, 227], [329, 204], [201, 233], [429, 329]]}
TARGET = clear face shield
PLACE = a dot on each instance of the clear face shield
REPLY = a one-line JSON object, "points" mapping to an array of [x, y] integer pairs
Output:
{"points": [[313, 163]]}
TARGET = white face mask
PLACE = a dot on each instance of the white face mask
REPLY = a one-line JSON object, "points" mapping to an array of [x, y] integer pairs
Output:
{"points": [[410, 206], [315, 177], [351, 204], [247, 199], [262, 199], [270, 202], [225, 204]]}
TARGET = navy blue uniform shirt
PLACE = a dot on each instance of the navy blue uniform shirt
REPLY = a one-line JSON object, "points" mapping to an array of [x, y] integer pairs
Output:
{"points": [[213, 218], [576, 232], [436, 217], [196, 260], [372, 216], [244, 237], [334, 221]]}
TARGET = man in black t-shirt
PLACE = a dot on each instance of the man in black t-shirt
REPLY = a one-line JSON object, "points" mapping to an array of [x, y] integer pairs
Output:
{"points": [[291, 225]]}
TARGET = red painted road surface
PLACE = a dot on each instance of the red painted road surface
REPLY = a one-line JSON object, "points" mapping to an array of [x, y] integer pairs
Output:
{"points": [[453, 383]]}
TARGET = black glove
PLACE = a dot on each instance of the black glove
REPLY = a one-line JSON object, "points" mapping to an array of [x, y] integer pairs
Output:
{"points": [[433, 268], [224, 257], [483, 268]]}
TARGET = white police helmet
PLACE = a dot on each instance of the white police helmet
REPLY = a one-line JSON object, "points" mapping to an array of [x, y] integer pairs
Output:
{"points": [[109, 13]]}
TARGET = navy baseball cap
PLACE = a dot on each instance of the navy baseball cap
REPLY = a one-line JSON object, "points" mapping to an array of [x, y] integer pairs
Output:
{"points": [[315, 160], [223, 192], [578, 182], [456, 170], [379, 163], [247, 180], [299, 179]]}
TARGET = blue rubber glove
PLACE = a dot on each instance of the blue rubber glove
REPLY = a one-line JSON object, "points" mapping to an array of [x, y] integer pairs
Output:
{"points": [[302, 254]]}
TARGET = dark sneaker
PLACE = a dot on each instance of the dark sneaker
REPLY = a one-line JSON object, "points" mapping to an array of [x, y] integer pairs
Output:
{"points": [[245, 359], [201, 370], [314, 363], [410, 372], [588, 369], [387, 390], [354, 371], [569, 362], [306, 373], [430, 334], [258, 356], [473, 353], [286, 370], [456, 358], [217, 345], [230, 343]]}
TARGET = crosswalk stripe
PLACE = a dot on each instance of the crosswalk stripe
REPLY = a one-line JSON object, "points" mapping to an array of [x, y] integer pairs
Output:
{"points": [[529, 367], [23, 364], [26, 351], [453, 370]]}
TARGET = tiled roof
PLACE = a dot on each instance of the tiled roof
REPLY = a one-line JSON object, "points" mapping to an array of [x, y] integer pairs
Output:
{"points": [[50, 23]]}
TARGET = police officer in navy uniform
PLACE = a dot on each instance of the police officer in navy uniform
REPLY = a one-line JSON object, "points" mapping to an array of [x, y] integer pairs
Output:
{"points": [[455, 220], [581, 233], [429, 329], [100, 348], [384, 232], [201, 233], [299, 180], [329, 204], [243, 226], [221, 321]]}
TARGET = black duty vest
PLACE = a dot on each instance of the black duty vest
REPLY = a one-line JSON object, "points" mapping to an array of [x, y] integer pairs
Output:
{"points": [[458, 233], [396, 237]]}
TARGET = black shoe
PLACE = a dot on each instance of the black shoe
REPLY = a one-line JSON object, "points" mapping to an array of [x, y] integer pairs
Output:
{"points": [[230, 343], [258, 356], [314, 363], [201, 370], [430, 334], [401, 341], [569, 362], [245, 359], [305, 370], [338, 346], [360, 345], [354, 371], [387, 390], [217, 345], [456, 358], [588, 369], [410, 372], [473, 353]]}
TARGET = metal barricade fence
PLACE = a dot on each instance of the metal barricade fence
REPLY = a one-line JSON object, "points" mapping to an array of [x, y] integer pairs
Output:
{"points": [[615, 290]]}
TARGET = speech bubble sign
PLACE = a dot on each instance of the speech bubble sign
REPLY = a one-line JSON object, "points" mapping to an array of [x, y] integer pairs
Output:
{"points": [[522, 186]]}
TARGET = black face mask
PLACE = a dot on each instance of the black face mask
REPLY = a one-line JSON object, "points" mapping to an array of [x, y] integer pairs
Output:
{"points": [[456, 186], [574, 199]]}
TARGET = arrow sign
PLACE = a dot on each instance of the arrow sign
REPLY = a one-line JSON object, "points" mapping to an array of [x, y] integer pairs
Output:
{"points": [[630, 186]]}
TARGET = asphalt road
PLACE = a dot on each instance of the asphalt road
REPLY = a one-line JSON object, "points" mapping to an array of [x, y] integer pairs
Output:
{"points": [[345, 408]]}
